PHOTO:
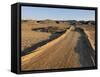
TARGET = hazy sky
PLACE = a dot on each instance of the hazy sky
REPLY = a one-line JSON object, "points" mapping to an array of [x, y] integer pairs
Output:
{"points": [[41, 13]]}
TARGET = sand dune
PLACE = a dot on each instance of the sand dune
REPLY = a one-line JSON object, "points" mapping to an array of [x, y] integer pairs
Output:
{"points": [[67, 51], [30, 38]]}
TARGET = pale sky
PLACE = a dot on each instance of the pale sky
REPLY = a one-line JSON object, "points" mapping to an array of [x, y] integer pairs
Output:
{"points": [[42, 13]]}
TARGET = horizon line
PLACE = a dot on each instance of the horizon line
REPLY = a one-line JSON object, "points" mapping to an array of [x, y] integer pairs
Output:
{"points": [[57, 20]]}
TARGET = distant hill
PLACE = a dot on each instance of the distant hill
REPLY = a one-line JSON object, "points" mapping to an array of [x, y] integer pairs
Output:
{"points": [[68, 22]]}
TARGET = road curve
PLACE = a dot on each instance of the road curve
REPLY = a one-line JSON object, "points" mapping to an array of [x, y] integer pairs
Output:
{"points": [[63, 52]]}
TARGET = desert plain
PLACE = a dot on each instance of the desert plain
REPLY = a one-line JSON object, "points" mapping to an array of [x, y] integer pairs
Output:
{"points": [[57, 44]]}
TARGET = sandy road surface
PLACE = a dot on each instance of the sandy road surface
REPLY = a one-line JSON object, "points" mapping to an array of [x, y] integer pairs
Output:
{"points": [[67, 51]]}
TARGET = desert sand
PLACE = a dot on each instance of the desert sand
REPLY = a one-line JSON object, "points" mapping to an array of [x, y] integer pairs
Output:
{"points": [[70, 50]]}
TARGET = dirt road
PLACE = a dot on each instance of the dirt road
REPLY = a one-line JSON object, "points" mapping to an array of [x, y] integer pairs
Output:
{"points": [[70, 50]]}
